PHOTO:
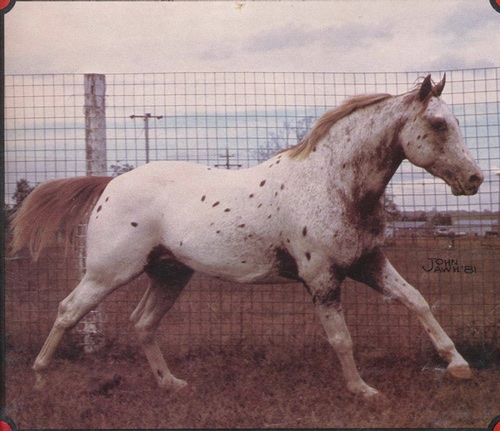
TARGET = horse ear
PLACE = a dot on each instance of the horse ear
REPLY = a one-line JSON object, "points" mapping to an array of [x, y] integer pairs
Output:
{"points": [[426, 88], [438, 88]]}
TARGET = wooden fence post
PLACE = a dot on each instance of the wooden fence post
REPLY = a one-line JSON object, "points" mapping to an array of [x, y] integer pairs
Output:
{"points": [[95, 124], [91, 327]]}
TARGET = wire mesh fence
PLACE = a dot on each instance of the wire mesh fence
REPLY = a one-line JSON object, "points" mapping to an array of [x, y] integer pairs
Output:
{"points": [[445, 246]]}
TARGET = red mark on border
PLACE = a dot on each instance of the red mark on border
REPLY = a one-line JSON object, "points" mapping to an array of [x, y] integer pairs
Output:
{"points": [[4, 426]]}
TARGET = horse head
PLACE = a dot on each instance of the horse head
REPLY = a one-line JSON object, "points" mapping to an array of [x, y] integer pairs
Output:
{"points": [[431, 139]]}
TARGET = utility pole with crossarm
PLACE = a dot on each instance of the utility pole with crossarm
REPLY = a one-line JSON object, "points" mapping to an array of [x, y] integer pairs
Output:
{"points": [[146, 118]]}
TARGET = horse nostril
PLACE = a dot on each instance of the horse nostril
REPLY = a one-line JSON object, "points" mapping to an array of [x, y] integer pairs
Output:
{"points": [[474, 179]]}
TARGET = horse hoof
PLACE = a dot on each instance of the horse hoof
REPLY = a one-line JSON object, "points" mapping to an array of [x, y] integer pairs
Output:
{"points": [[365, 391], [179, 384], [173, 385], [39, 382], [461, 371], [372, 394]]}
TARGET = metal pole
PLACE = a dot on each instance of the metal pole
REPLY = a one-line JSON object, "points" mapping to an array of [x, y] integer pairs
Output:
{"points": [[146, 129], [227, 165], [146, 118]]}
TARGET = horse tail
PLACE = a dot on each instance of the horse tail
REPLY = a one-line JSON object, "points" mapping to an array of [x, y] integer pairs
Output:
{"points": [[56, 205]]}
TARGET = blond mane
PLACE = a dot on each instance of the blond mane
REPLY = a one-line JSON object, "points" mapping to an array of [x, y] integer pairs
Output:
{"points": [[329, 118]]}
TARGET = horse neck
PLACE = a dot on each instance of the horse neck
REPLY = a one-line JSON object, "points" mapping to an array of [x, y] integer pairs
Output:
{"points": [[364, 152]]}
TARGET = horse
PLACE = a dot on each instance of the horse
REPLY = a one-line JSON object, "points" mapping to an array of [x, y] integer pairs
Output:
{"points": [[312, 214]]}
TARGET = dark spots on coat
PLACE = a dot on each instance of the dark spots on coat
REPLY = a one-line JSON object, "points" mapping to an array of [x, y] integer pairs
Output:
{"points": [[203, 198], [282, 187], [217, 231], [328, 297], [269, 216], [288, 240], [368, 270], [162, 265], [215, 204], [259, 205], [308, 255], [241, 225], [243, 261], [271, 165], [227, 210], [314, 149], [135, 224], [262, 183], [99, 208], [275, 194], [251, 195], [278, 161], [304, 231], [107, 199], [344, 165], [287, 266]]}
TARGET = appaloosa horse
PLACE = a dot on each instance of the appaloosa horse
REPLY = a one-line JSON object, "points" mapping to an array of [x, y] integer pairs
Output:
{"points": [[312, 213]]}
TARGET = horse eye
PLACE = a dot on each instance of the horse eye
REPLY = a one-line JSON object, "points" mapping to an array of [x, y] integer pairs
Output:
{"points": [[439, 125]]}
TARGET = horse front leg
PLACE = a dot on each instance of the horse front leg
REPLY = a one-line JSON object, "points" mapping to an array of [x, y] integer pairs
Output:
{"points": [[326, 296], [376, 271]]}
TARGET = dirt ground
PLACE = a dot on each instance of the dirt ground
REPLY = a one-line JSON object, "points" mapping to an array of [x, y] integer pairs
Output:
{"points": [[264, 384], [251, 388]]}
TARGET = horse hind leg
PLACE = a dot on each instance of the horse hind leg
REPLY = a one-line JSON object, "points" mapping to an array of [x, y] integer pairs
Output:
{"points": [[85, 297], [167, 279]]}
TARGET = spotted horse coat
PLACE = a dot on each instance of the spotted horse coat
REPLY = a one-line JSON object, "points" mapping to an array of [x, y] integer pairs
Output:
{"points": [[312, 214]]}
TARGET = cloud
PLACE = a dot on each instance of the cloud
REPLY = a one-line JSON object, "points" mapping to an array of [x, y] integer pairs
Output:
{"points": [[285, 37], [346, 36], [113, 37], [466, 19], [455, 61]]}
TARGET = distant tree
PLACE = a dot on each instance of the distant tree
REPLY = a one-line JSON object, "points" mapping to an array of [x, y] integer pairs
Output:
{"points": [[23, 189], [120, 168], [441, 219], [391, 208], [290, 135]]}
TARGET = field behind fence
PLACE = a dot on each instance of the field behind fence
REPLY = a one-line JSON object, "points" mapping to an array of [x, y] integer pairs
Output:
{"points": [[447, 247]]}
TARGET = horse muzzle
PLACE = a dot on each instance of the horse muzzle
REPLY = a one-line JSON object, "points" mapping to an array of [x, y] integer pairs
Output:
{"points": [[469, 186]]}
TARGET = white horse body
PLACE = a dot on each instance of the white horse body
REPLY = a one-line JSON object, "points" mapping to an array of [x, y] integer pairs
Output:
{"points": [[312, 214]]}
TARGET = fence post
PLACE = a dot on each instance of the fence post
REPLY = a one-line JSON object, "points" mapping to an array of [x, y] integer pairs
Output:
{"points": [[91, 327], [95, 124]]}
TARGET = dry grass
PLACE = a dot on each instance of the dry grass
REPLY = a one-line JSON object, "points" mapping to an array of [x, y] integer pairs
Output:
{"points": [[249, 388]]}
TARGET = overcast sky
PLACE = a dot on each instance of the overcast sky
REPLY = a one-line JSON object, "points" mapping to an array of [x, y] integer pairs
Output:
{"points": [[364, 36], [236, 35]]}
